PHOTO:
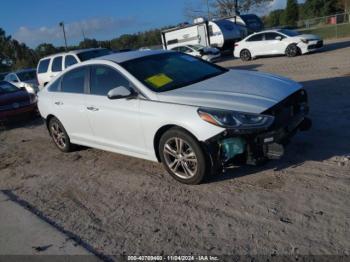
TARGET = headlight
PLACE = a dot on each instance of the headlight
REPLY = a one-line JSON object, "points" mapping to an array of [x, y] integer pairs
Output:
{"points": [[235, 120], [305, 41]]}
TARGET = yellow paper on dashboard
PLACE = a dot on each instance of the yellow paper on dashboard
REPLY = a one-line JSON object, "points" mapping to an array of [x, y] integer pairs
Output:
{"points": [[159, 80]]}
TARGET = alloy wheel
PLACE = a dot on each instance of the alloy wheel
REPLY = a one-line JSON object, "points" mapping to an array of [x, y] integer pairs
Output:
{"points": [[58, 135], [180, 158]]}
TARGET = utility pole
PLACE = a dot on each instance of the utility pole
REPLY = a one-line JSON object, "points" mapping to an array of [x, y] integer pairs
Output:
{"points": [[208, 10], [64, 34]]}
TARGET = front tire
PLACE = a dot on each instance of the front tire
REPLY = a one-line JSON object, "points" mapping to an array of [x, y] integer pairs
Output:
{"points": [[182, 156], [59, 135], [292, 50], [245, 55]]}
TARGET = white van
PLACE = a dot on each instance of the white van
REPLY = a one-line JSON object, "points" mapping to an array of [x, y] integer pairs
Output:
{"points": [[50, 66]]}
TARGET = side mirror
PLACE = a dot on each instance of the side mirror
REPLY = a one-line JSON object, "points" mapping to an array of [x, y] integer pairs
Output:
{"points": [[279, 38], [121, 92]]}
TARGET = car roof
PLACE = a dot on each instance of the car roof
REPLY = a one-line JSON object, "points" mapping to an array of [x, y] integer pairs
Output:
{"points": [[126, 56], [77, 51]]}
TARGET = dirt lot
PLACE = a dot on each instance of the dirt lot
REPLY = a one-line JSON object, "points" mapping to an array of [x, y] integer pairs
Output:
{"points": [[123, 205]]}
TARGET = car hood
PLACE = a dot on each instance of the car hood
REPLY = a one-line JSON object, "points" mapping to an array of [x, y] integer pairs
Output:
{"points": [[13, 97], [238, 90], [309, 37]]}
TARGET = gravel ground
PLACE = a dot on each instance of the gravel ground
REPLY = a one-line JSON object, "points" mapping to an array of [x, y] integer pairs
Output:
{"points": [[123, 205]]}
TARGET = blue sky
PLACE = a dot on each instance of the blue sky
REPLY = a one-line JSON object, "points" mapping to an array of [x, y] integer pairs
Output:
{"points": [[36, 21]]}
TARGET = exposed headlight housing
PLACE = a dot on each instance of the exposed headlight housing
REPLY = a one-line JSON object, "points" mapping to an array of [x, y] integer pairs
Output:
{"points": [[238, 121]]}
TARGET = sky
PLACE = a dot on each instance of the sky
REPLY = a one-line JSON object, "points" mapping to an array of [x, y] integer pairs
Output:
{"points": [[36, 21]]}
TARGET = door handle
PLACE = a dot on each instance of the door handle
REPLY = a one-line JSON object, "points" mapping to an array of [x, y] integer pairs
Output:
{"points": [[91, 108], [58, 103]]}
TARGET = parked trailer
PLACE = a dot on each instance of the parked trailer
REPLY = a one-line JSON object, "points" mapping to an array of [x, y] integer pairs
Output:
{"points": [[221, 34], [251, 21]]}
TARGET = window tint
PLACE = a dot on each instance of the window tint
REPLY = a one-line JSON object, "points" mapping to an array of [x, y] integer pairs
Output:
{"points": [[83, 56], [69, 60], [257, 37], [271, 36], [104, 78], [57, 64], [43, 65], [54, 87], [73, 81]]}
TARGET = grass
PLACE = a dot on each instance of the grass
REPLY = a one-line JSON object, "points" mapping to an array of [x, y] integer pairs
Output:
{"points": [[329, 31]]}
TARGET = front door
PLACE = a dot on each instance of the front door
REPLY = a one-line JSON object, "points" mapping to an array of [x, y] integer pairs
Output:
{"points": [[115, 122]]}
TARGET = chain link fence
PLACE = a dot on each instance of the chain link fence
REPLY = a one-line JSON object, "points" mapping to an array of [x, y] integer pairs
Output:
{"points": [[333, 26]]}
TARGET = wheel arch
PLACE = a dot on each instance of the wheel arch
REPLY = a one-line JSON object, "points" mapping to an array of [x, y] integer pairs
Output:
{"points": [[161, 131], [47, 120]]}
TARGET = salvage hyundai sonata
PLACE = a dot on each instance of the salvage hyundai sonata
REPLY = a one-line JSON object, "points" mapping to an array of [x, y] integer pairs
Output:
{"points": [[195, 117]]}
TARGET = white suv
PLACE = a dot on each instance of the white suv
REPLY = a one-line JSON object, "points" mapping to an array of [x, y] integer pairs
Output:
{"points": [[50, 66]]}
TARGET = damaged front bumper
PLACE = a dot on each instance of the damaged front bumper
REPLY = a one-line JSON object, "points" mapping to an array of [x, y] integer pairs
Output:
{"points": [[254, 148]]}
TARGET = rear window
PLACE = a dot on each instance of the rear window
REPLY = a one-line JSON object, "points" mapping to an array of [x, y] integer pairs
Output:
{"points": [[57, 64], [73, 81], [83, 56], [43, 66], [69, 60]]}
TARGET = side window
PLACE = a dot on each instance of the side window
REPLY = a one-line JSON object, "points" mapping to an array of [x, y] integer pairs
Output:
{"points": [[73, 81], [103, 79], [254, 38], [57, 64], [272, 36], [43, 66], [55, 86], [69, 60]]}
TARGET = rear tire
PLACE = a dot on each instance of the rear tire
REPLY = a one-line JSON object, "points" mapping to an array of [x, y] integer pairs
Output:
{"points": [[292, 50], [59, 135], [245, 55], [183, 157]]}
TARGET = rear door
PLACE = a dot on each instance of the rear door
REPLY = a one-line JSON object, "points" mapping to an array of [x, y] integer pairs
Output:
{"points": [[115, 123], [69, 104], [202, 35], [56, 66], [273, 46], [43, 73], [254, 44]]}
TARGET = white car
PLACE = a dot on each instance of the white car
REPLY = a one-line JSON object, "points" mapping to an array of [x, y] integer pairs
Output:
{"points": [[276, 42], [25, 78], [50, 66], [194, 117], [209, 54]]}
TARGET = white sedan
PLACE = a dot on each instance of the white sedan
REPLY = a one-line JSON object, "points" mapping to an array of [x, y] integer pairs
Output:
{"points": [[210, 54], [25, 78], [193, 116], [276, 42]]}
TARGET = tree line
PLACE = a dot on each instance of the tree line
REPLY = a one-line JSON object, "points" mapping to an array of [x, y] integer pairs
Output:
{"points": [[21, 56], [295, 12]]}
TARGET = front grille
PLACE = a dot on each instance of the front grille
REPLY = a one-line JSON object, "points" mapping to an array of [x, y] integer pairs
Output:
{"points": [[288, 108]]}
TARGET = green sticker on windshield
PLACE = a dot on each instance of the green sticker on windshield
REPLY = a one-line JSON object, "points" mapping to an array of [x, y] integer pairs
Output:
{"points": [[159, 80]]}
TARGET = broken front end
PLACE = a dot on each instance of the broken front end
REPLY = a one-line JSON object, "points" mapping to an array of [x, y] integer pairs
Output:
{"points": [[256, 138]]}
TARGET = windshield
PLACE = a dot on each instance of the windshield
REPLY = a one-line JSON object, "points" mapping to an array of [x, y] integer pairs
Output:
{"points": [[83, 56], [6, 87], [196, 47], [168, 71], [289, 32], [27, 75]]}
